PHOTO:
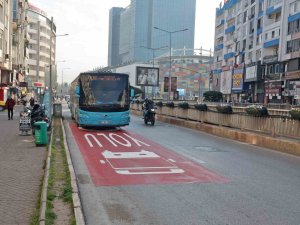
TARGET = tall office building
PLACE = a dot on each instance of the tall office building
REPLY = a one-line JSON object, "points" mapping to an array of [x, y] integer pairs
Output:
{"points": [[257, 50], [114, 36], [132, 29]]}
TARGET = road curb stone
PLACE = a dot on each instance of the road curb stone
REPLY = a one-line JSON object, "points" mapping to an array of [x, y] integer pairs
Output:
{"points": [[75, 195]]}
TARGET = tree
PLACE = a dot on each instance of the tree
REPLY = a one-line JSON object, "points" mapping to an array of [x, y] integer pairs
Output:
{"points": [[212, 96]]}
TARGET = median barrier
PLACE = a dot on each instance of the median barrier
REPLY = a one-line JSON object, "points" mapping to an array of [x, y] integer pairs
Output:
{"points": [[278, 133]]}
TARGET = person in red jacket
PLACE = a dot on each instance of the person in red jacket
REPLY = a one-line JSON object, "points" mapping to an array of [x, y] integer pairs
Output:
{"points": [[9, 105]]}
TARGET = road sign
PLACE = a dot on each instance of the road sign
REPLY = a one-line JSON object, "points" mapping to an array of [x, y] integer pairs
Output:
{"points": [[125, 158]]}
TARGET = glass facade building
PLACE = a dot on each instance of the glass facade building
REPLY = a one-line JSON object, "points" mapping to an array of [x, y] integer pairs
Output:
{"points": [[136, 32]]}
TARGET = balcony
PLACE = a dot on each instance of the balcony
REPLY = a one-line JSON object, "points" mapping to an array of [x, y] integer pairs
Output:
{"points": [[221, 34], [230, 29], [271, 43], [219, 47], [229, 55], [270, 58], [295, 36], [32, 62], [294, 17], [220, 23], [32, 51], [230, 17], [273, 10]]}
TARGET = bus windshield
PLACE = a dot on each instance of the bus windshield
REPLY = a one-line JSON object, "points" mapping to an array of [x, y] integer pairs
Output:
{"points": [[104, 90]]}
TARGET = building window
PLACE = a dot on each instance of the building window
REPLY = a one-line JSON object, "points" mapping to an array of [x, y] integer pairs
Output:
{"points": [[258, 23], [277, 17], [271, 69], [244, 45], [276, 68], [245, 17], [293, 46]]}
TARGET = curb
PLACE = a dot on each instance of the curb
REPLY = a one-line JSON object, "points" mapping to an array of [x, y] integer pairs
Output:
{"points": [[43, 207], [75, 196]]}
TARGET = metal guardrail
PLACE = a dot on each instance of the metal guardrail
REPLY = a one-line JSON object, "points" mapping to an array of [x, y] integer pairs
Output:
{"points": [[278, 124]]}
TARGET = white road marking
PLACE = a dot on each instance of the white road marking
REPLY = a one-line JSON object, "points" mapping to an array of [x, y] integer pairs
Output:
{"points": [[171, 171], [171, 160], [102, 161]]}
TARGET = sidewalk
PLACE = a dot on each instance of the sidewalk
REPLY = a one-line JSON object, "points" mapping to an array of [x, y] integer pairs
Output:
{"points": [[21, 172]]}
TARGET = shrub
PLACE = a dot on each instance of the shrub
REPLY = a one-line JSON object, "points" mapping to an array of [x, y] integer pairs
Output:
{"points": [[160, 104], [225, 109], [170, 104], [212, 96], [295, 113], [201, 107], [257, 110], [183, 105]]}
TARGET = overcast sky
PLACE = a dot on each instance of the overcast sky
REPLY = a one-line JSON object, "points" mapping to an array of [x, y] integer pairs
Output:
{"points": [[86, 22]]}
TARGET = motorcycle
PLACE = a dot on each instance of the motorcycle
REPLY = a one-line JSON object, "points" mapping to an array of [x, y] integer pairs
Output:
{"points": [[149, 116], [38, 114]]}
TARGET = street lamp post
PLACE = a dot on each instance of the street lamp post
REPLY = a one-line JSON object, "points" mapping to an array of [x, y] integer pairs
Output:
{"points": [[153, 51], [50, 65], [62, 78], [170, 33], [153, 57]]}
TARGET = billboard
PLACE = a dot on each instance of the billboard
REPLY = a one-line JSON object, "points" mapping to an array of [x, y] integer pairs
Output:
{"points": [[147, 76], [251, 74], [173, 84], [237, 80], [226, 82]]}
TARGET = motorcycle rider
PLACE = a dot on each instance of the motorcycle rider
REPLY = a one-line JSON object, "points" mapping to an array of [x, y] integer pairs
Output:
{"points": [[148, 104]]}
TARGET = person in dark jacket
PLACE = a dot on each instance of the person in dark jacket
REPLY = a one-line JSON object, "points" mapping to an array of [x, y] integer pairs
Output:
{"points": [[31, 101], [9, 105]]}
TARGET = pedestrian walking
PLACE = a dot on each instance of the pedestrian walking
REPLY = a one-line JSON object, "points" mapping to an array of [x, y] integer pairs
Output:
{"points": [[9, 105], [31, 101]]}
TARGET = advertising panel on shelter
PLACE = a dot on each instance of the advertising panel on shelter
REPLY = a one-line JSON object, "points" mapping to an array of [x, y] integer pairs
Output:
{"points": [[147, 76]]}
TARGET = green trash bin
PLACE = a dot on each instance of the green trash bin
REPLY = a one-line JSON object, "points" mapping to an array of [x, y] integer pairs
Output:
{"points": [[40, 136]]}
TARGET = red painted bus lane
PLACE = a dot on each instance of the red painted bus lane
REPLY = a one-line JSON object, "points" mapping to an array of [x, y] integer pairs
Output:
{"points": [[124, 158]]}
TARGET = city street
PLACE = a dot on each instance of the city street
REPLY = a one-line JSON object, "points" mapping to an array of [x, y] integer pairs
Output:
{"points": [[173, 176]]}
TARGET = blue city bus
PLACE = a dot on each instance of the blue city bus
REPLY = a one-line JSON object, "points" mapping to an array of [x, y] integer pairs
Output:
{"points": [[100, 99]]}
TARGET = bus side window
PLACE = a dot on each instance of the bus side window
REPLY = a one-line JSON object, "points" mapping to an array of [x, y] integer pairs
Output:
{"points": [[77, 91]]}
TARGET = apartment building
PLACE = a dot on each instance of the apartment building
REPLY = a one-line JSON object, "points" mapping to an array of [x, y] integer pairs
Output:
{"points": [[291, 50], [19, 44], [41, 31], [6, 79], [255, 41]]}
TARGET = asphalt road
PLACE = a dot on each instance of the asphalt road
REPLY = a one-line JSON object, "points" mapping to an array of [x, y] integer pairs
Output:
{"points": [[260, 186]]}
